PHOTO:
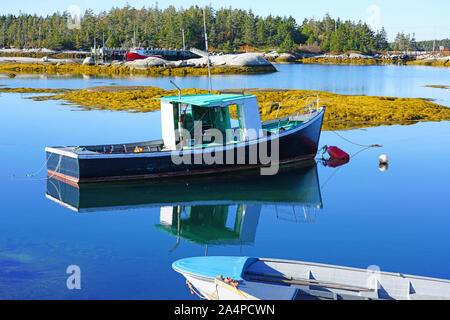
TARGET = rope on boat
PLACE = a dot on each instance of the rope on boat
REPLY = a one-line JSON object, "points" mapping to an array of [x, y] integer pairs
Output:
{"points": [[233, 283], [56, 169], [193, 291]]}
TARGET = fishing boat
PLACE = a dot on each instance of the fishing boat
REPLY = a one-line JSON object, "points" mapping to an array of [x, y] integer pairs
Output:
{"points": [[140, 53], [248, 278], [200, 136]]}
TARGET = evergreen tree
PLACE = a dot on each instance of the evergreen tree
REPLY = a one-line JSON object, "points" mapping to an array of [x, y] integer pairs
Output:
{"points": [[228, 29]]}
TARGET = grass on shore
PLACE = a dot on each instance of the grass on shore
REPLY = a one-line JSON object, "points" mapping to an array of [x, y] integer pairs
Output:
{"points": [[126, 70], [343, 111]]}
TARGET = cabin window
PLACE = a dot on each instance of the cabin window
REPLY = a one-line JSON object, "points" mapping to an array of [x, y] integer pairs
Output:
{"points": [[237, 123], [210, 117]]}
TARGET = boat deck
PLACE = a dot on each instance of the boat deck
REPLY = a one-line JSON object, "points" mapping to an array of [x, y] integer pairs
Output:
{"points": [[144, 147], [269, 127]]}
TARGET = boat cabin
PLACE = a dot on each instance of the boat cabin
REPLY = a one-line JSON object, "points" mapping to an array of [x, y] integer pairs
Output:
{"points": [[181, 114]]}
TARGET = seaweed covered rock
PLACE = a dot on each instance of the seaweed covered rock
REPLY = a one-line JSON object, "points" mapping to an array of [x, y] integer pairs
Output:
{"points": [[343, 111]]}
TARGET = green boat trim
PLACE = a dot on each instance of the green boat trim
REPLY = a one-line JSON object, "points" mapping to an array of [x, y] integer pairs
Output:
{"points": [[206, 100]]}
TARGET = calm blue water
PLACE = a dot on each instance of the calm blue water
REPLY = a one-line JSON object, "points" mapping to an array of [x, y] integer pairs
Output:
{"points": [[401, 81], [398, 219]]}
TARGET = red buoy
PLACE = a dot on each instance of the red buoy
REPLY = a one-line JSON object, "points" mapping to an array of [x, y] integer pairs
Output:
{"points": [[337, 153], [334, 163]]}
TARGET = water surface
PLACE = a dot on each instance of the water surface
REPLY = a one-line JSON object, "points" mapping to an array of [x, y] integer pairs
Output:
{"points": [[389, 80], [397, 219]]}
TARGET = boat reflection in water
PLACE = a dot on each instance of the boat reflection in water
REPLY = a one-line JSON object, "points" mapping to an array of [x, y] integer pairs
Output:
{"points": [[214, 210]]}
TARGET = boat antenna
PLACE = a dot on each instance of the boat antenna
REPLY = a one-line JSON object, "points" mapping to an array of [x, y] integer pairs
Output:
{"points": [[179, 113], [207, 51], [178, 88]]}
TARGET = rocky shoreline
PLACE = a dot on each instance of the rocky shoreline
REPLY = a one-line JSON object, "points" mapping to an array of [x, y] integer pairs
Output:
{"points": [[424, 59], [220, 64], [35, 61]]}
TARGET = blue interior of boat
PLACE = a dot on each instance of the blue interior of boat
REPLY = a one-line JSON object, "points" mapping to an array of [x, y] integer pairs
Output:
{"points": [[232, 267]]}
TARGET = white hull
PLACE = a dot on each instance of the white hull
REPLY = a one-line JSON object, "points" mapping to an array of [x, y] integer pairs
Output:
{"points": [[284, 279]]}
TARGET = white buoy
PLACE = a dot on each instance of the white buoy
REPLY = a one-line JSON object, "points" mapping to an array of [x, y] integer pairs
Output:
{"points": [[383, 167], [383, 159]]}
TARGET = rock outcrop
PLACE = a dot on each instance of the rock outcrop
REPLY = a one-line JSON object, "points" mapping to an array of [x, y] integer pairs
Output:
{"points": [[226, 60], [88, 61]]}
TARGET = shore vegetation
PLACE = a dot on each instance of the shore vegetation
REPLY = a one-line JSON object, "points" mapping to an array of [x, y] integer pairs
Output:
{"points": [[78, 69]]}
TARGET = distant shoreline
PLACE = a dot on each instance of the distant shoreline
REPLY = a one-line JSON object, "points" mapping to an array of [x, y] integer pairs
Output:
{"points": [[71, 57]]}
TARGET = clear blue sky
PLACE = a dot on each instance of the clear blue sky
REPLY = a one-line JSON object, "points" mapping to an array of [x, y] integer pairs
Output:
{"points": [[424, 18]]}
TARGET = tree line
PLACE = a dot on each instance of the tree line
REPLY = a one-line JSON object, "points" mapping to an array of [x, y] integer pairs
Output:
{"points": [[228, 30]]}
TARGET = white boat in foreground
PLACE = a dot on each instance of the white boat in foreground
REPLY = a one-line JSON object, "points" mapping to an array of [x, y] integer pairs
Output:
{"points": [[246, 278]]}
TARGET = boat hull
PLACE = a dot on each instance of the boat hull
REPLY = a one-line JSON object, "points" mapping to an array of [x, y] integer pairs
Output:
{"points": [[261, 278], [295, 184], [298, 143]]}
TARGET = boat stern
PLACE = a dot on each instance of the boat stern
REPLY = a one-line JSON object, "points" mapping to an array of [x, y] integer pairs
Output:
{"points": [[62, 163]]}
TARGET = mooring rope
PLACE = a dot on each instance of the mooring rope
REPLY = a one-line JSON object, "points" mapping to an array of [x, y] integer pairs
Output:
{"points": [[335, 171], [41, 168], [30, 176], [356, 144], [56, 168]]}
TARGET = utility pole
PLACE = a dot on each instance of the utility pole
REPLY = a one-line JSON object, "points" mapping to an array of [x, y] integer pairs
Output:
{"points": [[39, 37], [95, 48], [103, 48], [434, 39], [207, 51], [184, 46]]}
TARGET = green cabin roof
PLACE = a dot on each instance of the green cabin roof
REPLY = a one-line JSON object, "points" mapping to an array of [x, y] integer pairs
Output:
{"points": [[206, 100]]}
